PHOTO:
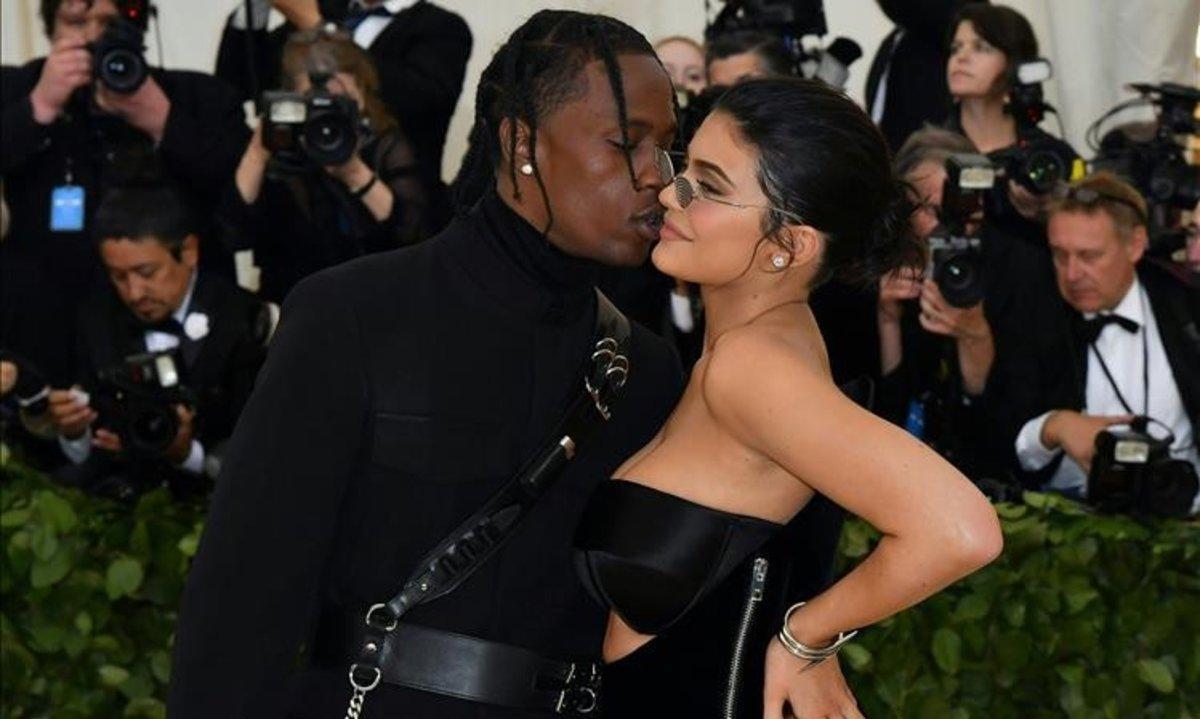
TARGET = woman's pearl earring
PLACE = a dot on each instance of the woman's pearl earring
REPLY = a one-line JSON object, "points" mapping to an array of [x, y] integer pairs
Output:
{"points": [[526, 169], [779, 261]]}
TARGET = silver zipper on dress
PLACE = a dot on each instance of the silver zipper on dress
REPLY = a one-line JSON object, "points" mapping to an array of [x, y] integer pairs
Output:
{"points": [[754, 595]]}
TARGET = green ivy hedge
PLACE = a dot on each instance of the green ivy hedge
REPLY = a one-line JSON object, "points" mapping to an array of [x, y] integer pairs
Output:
{"points": [[1082, 616], [88, 591]]}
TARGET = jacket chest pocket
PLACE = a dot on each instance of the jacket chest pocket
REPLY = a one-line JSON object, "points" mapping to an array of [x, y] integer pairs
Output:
{"points": [[440, 449]]}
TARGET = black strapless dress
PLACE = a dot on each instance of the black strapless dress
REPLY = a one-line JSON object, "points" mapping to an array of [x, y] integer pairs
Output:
{"points": [[710, 585]]}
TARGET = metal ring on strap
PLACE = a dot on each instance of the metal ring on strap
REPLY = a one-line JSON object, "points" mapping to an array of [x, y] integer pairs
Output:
{"points": [[369, 686], [382, 627]]}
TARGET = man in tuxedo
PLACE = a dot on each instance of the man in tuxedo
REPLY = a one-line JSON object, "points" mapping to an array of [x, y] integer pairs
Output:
{"points": [[1126, 344], [66, 138], [420, 50], [161, 303]]}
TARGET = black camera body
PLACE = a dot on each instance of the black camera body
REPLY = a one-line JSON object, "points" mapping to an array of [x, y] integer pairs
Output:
{"points": [[1036, 165], [314, 128], [955, 247], [1133, 472], [118, 56], [1155, 162], [136, 399], [787, 18]]}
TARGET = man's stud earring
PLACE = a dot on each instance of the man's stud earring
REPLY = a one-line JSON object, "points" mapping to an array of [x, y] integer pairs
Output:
{"points": [[526, 169], [779, 261]]}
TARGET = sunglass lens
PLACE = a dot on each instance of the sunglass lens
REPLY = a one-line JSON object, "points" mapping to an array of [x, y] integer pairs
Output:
{"points": [[683, 192]]}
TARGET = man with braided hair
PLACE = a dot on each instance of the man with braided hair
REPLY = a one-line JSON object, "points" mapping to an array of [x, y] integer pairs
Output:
{"points": [[404, 389]]}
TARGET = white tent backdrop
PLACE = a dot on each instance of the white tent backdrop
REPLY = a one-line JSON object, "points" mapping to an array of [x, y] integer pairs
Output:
{"points": [[1096, 46]]}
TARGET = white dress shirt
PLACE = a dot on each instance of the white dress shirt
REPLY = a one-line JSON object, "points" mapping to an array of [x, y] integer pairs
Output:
{"points": [[79, 449], [373, 27], [1122, 352]]}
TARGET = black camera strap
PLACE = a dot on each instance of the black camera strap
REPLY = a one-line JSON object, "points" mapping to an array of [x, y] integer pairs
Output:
{"points": [[1145, 365], [445, 567]]}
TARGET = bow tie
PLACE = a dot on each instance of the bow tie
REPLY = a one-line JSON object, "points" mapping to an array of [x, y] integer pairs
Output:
{"points": [[170, 326], [1092, 328], [358, 14]]}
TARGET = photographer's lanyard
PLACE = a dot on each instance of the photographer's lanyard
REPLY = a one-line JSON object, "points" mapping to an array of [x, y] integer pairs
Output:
{"points": [[1145, 365]]}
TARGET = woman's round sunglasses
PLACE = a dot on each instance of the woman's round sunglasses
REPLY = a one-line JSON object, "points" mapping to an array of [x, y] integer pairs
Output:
{"points": [[686, 192]]}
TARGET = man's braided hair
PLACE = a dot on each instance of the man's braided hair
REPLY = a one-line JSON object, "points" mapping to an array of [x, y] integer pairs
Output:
{"points": [[536, 71]]}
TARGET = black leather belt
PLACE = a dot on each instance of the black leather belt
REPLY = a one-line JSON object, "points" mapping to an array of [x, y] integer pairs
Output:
{"points": [[478, 670]]}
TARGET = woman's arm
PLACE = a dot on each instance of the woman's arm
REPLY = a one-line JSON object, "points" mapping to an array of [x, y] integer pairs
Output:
{"points": [[937, 527]]}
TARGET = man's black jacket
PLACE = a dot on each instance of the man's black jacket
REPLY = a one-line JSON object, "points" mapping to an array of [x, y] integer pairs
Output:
{"points": [[203, 140], [219, 367], [400, 391], [421, 57]]}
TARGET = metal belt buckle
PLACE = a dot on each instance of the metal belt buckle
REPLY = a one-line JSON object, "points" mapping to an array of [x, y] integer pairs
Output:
{"points": [[580, 694]]}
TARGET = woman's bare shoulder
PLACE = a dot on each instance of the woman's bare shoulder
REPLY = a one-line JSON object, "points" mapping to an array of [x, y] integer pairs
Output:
{"points": [[748, 361]]}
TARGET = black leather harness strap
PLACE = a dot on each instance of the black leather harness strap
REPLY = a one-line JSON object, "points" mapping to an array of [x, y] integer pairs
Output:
{"points": [[503, 674]]}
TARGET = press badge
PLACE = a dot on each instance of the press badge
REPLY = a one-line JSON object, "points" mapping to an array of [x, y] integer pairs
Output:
{"points": [[66, 208]]}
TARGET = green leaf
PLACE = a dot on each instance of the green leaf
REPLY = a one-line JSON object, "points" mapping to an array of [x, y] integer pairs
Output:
{"points": [[146, 708], [83, 622], [14, 518], [45, 573], [971, 608], [43, 541], [123, 578], [947, 650], [1156, 674], [160, 666], [112, 675], [57, 511], [857, 656], [188, 545]]}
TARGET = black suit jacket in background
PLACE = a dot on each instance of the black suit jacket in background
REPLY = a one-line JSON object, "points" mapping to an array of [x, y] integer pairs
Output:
{"points": [[203, 141], [916, 53], [401, 390], [219, 367], [1049, 370], [421, 57]]}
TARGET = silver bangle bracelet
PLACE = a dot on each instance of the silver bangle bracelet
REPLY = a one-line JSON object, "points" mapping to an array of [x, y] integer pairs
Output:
{"points": [[800, 650]]}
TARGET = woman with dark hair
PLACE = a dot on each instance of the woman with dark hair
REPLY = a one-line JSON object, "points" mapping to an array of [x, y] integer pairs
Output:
{"points": [[987, 44], [404, 389], [693, 548], [299, 218]]}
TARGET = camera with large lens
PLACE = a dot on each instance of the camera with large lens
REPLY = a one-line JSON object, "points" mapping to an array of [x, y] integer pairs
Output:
{"points": [[314, 128], [118, 56], [1133, 473], [955, 247], [136, 400], [1035, 164], [1154, 160]]}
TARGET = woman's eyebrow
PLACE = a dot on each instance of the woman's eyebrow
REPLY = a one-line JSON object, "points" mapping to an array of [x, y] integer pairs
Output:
{"points": [[715, 169]]}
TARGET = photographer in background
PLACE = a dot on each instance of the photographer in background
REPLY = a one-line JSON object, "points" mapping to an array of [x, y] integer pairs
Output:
{"points": [[987, 46], [84, 119], [901, 96], [419, 49], [159, 302], [299, 215], [1126, 346], [941, 347], [741, 55]]}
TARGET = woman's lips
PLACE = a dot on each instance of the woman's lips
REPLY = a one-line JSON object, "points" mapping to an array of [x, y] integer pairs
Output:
{"points": [[671, 232]]}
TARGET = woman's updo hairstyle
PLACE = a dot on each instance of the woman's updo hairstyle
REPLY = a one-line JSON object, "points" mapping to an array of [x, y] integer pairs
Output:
{"points": [[821, 157]]}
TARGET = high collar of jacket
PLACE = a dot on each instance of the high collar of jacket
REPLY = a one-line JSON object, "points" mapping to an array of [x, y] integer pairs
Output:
{"points": [[518, 266]]}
